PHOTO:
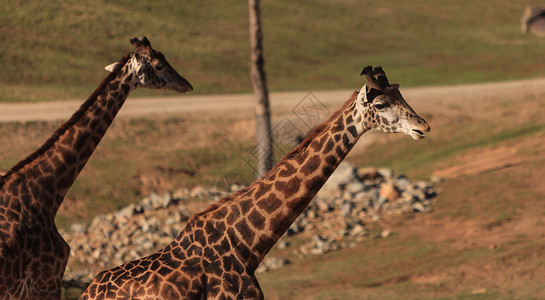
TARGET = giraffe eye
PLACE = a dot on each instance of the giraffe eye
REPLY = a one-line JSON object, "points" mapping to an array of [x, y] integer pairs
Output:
{"points": [[158, 66], [379, 106]]}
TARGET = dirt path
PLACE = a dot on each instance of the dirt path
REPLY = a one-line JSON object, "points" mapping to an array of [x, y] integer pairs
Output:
{"points": [[421, 97]]}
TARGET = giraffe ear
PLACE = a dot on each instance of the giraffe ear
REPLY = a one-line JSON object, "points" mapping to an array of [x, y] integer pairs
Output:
{"points": [[362, 95], [111, 67], [368, 94]]}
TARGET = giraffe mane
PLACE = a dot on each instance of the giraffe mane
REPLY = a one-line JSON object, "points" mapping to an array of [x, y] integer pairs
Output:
{"points": [[75, 117], [302, 146], [315, 132]]}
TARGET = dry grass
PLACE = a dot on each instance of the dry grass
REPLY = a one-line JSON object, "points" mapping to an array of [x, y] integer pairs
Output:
{"points": [[483, 241]]}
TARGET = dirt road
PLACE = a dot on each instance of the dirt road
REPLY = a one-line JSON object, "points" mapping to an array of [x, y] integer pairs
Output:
{"points": [[281, 101]]}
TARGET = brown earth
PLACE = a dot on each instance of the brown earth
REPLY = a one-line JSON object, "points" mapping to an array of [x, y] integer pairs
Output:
{"points": [[440, 98]]}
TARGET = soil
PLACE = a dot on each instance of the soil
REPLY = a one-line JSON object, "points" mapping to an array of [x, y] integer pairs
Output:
{"points": [[441, 98]]}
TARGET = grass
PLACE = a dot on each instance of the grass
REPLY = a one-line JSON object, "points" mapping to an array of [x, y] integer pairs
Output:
{"points": [[209, 150], [420, 159], [481, 242], [438, 265], [383, 264], [58, 51]]}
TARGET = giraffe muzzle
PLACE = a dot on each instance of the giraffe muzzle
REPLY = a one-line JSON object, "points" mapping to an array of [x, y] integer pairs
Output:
{"points": [[417, 134]]}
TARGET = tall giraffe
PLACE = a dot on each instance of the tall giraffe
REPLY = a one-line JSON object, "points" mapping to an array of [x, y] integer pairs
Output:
{"points": [[33, 255], [215, 256]]}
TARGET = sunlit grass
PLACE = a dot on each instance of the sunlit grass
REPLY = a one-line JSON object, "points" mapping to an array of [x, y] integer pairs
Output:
{"points": [[59, 51]]}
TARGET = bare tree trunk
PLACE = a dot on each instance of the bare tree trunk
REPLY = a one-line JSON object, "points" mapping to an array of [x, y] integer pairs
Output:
{"points": [[264, 153]]}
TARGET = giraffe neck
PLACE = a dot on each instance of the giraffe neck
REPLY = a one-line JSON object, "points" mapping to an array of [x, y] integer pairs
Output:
{"points": [[49, 172], [259, 215]]}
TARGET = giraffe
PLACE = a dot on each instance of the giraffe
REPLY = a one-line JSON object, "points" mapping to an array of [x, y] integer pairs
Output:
{"points": [[216, 254], [533, 20], [33, 255]]}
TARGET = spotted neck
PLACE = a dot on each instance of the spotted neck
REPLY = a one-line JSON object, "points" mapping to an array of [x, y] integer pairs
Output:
{"points": [[49, 172], [259, 215]]}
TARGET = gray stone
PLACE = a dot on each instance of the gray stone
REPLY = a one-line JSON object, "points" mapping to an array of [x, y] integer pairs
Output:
{"points": [[282, 245], [322, 205], [126, 212], [342, 175], [358, 230], [419, 207], [389, 191], [386, 173], [271, 263], [198, 191], [354, 187], [78, 228], [385, 233], [336, 219], [368, 173], [180, 193]]}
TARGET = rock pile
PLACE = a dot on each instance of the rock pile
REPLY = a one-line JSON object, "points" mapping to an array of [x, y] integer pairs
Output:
{"points": [[349, 200], [336, 218], [131, 232]]}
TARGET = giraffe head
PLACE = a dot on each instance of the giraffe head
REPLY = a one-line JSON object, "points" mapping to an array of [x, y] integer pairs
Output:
{"points": [[152, 68], [385, 109]]}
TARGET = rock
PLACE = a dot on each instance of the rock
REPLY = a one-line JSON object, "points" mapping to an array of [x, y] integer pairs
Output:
{"points": [[318, 250], [436, 179], [429, 193], [337, 218], [126, 212], [385, 233], [375, 217], [368, 173], [271, 263], [355, 187], [346, 208], [235, 187], [96, 254], [282, 245], [166, 200], [419, 207], [78, 228], [358, 230], [342, 175], [385, 173], [180, 193], [388, 191], [198, 191], [323, 206], [328, 192], [184, 214]]}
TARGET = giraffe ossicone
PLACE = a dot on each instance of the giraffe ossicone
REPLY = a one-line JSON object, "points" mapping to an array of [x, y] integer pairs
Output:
{"points": [[216, 254], [33, 255]]}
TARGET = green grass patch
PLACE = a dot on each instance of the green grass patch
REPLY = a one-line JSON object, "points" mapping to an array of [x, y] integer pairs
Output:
{"points": [[418, 159], [376, 269], [58, 51], [476, 296]]}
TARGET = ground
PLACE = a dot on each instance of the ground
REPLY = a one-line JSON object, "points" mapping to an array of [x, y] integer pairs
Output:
{"points": [[485, 238]]}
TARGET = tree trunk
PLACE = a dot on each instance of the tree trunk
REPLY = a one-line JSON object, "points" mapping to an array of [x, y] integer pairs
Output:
{"points": [[264, 149]]}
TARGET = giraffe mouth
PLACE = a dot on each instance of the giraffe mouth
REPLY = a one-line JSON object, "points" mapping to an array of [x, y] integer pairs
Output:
{"points": [[417, 134]]}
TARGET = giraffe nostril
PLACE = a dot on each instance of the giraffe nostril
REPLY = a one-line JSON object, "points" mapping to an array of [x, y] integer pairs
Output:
{"points": [[427, 127]]}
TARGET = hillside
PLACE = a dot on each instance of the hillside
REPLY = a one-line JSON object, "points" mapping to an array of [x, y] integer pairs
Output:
{"points": [[56, 50]]}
